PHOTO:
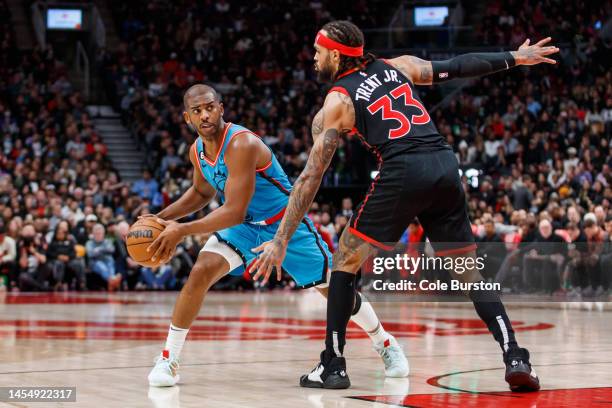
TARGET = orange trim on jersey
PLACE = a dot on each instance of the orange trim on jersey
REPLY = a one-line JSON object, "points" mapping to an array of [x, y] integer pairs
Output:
{"points": [[195, 152], [340, 89], [264, 168], [457, 251], [267, 166], [212, 164], [369, 240]]}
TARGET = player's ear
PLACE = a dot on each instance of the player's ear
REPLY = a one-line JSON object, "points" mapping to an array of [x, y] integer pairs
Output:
{"points": [[221, 109], [188, 122], [335, 56]]}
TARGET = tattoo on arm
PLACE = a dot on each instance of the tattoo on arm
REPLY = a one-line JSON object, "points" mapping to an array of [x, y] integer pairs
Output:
{"points": [[424, 68], [307, 184], [417, 69]]}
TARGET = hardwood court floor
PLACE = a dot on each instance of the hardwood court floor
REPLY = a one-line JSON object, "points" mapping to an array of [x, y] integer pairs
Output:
{"points": [[249, 349]]}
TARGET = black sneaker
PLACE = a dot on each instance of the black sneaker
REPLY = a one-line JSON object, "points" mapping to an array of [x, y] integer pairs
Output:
{"points": [[330, 375], [519, 374]]}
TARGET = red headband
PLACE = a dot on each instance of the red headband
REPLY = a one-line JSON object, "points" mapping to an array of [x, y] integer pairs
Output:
{"points": [[330, 44]]}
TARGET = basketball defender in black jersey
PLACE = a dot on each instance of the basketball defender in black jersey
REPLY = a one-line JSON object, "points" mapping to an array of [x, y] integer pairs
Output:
{"points": [[418, 177]]}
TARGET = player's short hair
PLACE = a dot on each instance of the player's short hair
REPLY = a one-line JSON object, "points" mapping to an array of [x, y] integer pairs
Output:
{"points": [[198, 89]]}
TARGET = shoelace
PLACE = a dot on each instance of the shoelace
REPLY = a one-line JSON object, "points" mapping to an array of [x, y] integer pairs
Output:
{"points": [[389, 353], [173, 365]]}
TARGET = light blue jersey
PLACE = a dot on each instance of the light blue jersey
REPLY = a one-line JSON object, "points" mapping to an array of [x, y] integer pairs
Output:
{"points": [[272, 187], [308, 257]]}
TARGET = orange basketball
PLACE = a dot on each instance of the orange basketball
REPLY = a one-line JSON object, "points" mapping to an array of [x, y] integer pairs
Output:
{"points": [[140, 235]]}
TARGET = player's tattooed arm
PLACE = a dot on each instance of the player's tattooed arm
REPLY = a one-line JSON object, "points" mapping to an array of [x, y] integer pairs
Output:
{"points": [[307, 184], [418, 70], [336, 117], [422, 72]]}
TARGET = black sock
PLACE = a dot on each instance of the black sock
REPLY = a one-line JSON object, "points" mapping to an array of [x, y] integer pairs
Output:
{"points": [[491, 310], [340, 301], [357, 306]]}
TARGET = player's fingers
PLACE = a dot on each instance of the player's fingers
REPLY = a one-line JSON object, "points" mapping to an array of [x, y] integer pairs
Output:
{"points": [[543, 41], [526, 43], [548, 60], [160, 250], [279, 272], [146, 216], [256, 267], [267, 273], [259, 248], [549, 50], [161, 222], [154, 245]]}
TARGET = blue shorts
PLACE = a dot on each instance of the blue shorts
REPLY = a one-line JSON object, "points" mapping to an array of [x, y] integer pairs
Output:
{"points": [[308, 257]]}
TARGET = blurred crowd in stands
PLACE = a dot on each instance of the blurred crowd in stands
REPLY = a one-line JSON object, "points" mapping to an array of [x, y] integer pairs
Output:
{"points": [[533, 144]]}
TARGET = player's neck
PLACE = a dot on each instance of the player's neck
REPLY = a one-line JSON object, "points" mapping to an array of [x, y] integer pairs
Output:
{"points": [[213, 144]]}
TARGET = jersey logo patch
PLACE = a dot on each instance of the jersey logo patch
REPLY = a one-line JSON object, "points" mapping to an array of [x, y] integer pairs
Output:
{"points": [[202, 156], [219, 179]]}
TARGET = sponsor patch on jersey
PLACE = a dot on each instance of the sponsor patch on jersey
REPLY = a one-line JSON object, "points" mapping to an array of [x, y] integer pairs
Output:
{"points": [[202, 156], [443, 75]]}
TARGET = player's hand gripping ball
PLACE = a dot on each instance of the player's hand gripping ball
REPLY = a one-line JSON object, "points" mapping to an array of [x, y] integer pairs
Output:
{"points": [[140, 235]]}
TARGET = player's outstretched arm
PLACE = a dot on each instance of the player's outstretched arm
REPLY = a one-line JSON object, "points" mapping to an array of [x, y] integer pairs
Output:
{"points": [[337, 116], [241, 161], [192, 200], [423, 72]]}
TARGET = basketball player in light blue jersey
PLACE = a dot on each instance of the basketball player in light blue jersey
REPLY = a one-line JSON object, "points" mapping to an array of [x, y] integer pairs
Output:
{"points": [[233, 163]]}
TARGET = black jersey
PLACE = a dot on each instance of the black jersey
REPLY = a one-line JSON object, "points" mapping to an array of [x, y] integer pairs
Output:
{"points": [[389, 114]]}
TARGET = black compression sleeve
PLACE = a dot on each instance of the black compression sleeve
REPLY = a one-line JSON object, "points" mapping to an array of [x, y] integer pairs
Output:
{"points": [[471, 65]]}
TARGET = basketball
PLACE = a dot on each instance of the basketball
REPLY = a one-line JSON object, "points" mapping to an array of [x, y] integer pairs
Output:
{"points": [[140, 235]]}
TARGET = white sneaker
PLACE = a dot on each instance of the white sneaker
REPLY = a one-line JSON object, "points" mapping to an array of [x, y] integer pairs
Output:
{"points": [[165, 372], [396, 364]]}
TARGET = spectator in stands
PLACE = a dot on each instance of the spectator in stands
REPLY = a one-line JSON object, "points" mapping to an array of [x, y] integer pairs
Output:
{"points": [[124, 264], [32, 258], [100, 252], [492, 248], [146, 187], [596, 238], [8, 255], [543, 262], [67, 269]]}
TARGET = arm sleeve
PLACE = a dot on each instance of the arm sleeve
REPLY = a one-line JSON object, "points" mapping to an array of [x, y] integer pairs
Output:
{"points": [[471, 65]]}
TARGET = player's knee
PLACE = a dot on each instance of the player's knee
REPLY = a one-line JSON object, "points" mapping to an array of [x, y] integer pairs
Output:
{"points": [[203, 275]]}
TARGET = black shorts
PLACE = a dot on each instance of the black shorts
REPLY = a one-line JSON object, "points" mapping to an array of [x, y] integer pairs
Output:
{"points": [[420, 184]]}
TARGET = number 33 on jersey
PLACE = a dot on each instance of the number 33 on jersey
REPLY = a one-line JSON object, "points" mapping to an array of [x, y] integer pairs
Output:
{"points": [[389, 115]]}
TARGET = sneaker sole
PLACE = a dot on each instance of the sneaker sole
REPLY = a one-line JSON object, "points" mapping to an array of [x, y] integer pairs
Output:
{"points": [[521, 381], [397, 374], [164, 384], [333, 382]]}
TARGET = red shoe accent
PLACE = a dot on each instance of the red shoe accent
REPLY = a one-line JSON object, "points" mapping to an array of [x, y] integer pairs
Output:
{"points": [[387, 343], [166, 354]]}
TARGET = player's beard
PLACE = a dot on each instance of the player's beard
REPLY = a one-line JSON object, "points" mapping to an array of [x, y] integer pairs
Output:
{"points": [[325, 73]]}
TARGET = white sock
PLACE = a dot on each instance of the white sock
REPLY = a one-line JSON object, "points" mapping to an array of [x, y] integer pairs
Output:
{"points": [[366, 319], [175, 340]]}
